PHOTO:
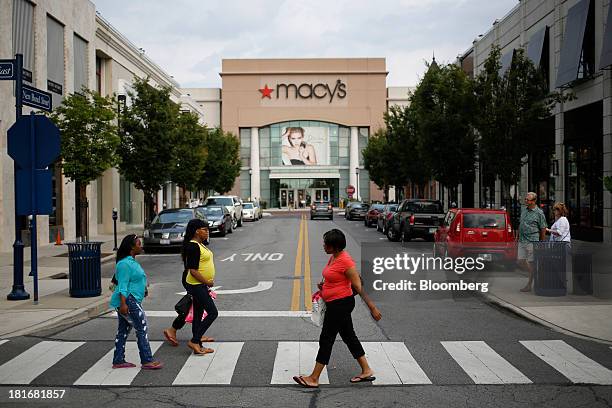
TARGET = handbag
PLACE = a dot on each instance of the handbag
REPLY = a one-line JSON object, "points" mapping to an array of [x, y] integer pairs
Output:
{"points": [[189, 317], [318, 309], [183, 306]]}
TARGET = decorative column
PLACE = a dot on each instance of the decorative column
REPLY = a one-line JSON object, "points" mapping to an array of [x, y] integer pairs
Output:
{"points": [[354, 158], [255, 173], [607, 154]]}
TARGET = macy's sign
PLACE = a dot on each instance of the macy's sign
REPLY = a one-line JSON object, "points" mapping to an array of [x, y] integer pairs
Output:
{"points": [[306, 91]]}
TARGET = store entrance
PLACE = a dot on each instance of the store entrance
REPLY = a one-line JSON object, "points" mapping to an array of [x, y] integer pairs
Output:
{"points": [[296, 198], [321, 194]]}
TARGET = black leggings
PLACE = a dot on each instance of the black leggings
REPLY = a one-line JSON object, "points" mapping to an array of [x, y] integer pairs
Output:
{"points": [[201, 301], [179, 321], [338, 320]]}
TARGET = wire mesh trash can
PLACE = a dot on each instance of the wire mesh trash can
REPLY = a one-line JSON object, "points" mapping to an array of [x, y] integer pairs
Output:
{"points": [[582, 273], [550, 268], [84, 269]]}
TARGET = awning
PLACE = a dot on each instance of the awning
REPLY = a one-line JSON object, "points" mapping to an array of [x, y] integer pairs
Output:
{"points": [[536, 46], [575, 26], [606, 50], [506, 62]]}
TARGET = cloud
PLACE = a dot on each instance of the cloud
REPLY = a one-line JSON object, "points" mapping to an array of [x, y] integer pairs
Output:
{"points": [[189, 38]]}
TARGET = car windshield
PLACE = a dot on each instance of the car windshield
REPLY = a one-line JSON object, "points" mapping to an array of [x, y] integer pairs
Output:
{"points": [[173, 217], [431, 207], [360, 205], [492, 221], [248, 206], [392, 208], [378, 207], [213, 211], [227, 201]]}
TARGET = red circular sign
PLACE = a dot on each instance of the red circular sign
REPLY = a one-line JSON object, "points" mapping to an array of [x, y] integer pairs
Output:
{"points": [[350, 190]]}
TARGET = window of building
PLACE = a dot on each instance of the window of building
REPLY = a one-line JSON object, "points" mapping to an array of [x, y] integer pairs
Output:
{"points": [[245, 147], [55, 59], [364, 134], [23, 32], [99, 75], [80, 63]]}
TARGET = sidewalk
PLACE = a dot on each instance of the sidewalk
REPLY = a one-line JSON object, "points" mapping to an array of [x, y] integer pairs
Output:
{"points": [[583, 315], [55, 306]]}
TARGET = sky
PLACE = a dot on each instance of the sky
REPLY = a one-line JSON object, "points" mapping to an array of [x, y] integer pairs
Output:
{"points": [[189, 38]]}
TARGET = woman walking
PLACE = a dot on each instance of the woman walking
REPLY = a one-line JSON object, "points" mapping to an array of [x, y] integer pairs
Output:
{"points": [[200, 267], [340, 279], [560, 230], [126, 299]]}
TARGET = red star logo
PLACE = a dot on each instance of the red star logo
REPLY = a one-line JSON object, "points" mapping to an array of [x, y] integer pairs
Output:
{"points": [[266, 92]]}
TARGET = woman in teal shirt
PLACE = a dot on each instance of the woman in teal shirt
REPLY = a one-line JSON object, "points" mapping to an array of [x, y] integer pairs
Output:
{"points": [[127, 299]]}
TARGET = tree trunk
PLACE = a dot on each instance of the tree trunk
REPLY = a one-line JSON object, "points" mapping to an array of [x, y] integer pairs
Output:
{"points": [[149, 213], [84, 212]]}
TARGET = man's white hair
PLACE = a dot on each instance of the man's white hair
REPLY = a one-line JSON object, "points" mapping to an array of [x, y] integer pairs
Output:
{"points": [[531, 195]]}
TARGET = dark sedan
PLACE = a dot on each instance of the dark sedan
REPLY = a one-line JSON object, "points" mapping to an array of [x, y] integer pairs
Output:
{"points": [[356, 210], [219, 219], [168, 228], [321, 209], [384, 217]]}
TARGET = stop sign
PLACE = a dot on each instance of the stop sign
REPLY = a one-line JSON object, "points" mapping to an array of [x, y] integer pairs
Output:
{"points": [[46, 142], [350, 190]]}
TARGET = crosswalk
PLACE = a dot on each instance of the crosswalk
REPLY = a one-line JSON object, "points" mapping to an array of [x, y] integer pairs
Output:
{"points": [[392, 362]]}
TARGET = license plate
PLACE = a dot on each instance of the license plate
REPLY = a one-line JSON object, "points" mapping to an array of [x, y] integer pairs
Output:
{"points": [[486, 257], [432, 230], [164, 242]]}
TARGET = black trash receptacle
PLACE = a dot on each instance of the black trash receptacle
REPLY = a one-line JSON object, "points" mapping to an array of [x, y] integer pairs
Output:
{"points": [[84, 269], [582, 273], [550, 268]]}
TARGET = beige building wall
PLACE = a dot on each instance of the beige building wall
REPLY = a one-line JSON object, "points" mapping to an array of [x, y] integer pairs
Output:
{"points": [[209, 100]]}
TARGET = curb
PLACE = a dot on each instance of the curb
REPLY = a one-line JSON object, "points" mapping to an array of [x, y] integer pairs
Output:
{"points": [[525, 314]]}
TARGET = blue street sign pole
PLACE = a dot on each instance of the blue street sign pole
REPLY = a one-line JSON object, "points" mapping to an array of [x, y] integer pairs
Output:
{"points": [[18, 292], [33, 243]]}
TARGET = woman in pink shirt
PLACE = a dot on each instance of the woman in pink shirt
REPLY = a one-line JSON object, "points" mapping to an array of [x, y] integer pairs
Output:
{"points": [[340, 278]]}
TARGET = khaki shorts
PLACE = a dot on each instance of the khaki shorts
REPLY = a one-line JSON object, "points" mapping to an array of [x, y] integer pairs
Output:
{"points": [[525, 251]]}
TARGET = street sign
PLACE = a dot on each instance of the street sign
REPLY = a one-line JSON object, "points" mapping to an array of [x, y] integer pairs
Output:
{"points": [[26, 75], [43, 197], [46, 142], [7, 69], [54, 87], [350, 190], [36, 98]]}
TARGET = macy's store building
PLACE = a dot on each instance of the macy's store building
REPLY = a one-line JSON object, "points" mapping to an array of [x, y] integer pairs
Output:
{"points": [[302, 125]]}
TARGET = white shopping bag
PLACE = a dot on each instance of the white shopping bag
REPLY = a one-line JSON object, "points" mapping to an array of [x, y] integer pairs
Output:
{"points": [[318, 309]]}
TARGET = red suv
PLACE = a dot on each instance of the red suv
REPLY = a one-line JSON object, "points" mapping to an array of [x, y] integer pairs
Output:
{"points": [[476, 232]]}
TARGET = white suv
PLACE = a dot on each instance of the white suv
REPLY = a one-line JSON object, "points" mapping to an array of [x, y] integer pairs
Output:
{"points": [[233, 205]]}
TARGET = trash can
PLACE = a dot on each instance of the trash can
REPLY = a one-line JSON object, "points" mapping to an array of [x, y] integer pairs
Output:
{"points": [[582, 268], [84, 269], [550, 268]]}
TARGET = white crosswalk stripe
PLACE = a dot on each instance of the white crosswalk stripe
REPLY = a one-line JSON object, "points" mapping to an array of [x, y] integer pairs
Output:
{"points": [[392, 363], [295, 358], [28, 365], [2, 342], [102, 373], [483, 364], [574, 365], [213, 368]]}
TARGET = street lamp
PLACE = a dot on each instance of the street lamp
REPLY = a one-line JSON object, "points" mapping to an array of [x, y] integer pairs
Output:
{"points": [[357, 173], [115, 227]]}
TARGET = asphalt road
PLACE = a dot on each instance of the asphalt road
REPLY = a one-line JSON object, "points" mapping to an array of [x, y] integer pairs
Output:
{"points": [[431, 350]]}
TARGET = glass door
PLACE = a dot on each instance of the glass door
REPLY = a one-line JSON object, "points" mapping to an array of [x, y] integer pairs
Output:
{"points": [[283, 198], [321, 194]]}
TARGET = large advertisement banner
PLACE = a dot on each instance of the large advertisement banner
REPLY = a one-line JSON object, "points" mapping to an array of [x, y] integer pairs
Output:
{"points": [[305, 146]]}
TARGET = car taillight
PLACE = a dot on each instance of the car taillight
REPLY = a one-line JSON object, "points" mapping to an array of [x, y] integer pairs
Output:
{"points": [[389, 216], [412, 220], [458, 228], [329, 207], [509, 228]]}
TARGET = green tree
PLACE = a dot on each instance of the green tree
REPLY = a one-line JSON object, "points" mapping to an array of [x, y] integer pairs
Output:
{"points": [[376, 161], [443, 107], [147, 138], [189, 153], [89, 142], [223, 162]]}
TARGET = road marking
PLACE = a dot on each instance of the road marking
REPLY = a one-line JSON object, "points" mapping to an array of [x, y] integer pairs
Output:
{"points": [[574, 365], [483, 364], [260, 287], [295, 293], [295, 358], [213, 368], [252, 257], [393, 364], [2, 342], [232, 313], [102, 372], [307, 281], [24, 368]]}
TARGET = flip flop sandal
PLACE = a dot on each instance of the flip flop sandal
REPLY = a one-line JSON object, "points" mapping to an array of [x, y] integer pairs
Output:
{"points": [[125, 364], [173, 342], [199, 350], [300, 380], [358, 379], [153, 365], [207, 339]]}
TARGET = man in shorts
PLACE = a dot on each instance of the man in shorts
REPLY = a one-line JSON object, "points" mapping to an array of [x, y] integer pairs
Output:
{"points": [[532, 228]]}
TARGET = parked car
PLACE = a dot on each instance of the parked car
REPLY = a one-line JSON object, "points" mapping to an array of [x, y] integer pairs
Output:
{"points": [[259, 209], [168, 228], [371, 216], [219, 219], [476, 232], [383, 218], [356, 210], [321, 209], [233, 205], [415, 218], [250, 211]]}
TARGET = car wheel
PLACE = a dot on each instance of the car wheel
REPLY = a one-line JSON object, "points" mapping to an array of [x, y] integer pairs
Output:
{"points": [[234, 223], [391, 235], [231, 228]]}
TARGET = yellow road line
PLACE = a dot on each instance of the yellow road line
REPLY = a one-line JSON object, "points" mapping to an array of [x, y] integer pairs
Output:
{"points": [[307, 283], [295, 294]]}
